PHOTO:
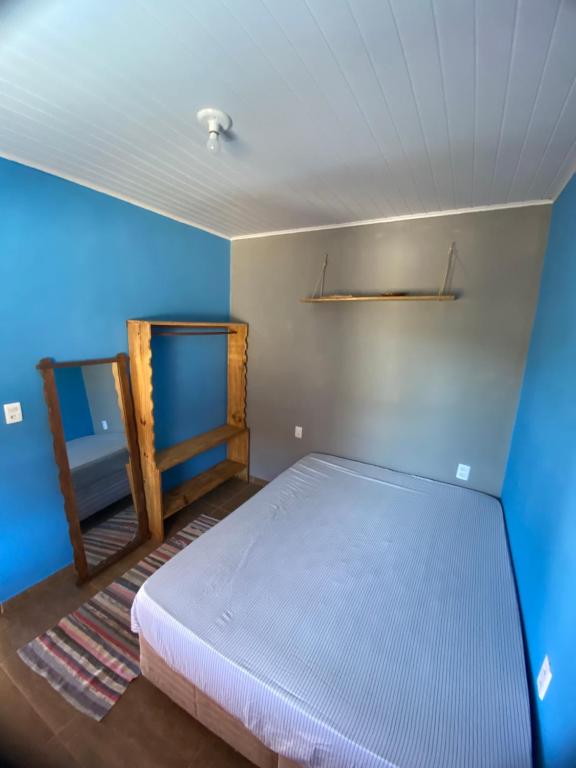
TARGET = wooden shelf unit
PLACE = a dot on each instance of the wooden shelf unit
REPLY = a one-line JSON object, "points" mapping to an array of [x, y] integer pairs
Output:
{"points": [[379, 297], [234, 433]]}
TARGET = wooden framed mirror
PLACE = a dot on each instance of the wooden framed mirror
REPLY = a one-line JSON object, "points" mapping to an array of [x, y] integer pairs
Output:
{"points": [[91, 417]]}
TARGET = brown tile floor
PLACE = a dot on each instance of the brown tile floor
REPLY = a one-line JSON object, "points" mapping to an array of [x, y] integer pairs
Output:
{"points": [[39, 729]]}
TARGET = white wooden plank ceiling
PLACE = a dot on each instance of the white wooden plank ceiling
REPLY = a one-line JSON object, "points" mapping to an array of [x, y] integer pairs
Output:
{"points": [[343, 110]]}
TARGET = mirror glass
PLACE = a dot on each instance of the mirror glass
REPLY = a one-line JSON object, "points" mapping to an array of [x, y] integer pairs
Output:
{"points": [[98, 457]]}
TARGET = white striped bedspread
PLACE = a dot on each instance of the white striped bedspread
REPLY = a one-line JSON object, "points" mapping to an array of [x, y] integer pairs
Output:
{"points": [[353, 617]]}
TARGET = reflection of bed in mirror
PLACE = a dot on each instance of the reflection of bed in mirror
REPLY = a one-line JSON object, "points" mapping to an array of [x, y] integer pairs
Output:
{"points": [[98, 467], [91, 416]]}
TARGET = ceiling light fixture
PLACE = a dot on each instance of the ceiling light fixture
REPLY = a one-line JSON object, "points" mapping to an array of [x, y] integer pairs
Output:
{"points": [[217, 122]]}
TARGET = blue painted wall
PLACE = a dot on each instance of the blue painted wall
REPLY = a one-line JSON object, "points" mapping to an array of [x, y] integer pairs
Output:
{"points": [[199, 399], [539, 494], [74, 405], [74, 265]]}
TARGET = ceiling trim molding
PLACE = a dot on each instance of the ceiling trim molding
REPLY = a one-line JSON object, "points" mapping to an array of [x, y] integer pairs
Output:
{"points": [[390, 219], [109, 193]]}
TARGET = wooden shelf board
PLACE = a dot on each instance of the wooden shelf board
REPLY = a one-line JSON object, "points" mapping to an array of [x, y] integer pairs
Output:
{"points": [[186, 493], [184, 323], [180, 452], [377, 297]]}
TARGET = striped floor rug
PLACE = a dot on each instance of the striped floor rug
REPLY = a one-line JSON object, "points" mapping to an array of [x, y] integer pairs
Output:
{"points": [[107, 537], [91, 655]]}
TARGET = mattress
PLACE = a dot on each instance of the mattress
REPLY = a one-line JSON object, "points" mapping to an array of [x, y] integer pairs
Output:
{"points": [[349, 615], [98, 467], [84, 451]]}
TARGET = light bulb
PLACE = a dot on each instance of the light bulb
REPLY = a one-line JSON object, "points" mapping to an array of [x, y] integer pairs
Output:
{"points": [[216, 122], [213, 143]]}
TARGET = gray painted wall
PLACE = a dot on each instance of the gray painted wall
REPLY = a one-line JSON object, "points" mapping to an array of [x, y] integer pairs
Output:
{"points": [[417, 387], [102, 398]]}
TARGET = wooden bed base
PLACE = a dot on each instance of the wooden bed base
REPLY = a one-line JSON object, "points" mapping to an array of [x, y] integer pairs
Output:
{"points": [[206, 711]]}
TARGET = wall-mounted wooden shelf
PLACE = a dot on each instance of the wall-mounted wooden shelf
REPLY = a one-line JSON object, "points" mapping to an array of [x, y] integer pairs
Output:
{"points": [[378, 297], [234, 433]]}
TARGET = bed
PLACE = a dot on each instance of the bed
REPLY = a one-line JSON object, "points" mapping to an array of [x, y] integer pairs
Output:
{"points": [[98, 467], [347, 615]]}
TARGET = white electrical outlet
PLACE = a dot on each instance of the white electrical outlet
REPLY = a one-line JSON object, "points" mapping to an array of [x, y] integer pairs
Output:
{"points": [[463, 472], [12, 413], [544, 678], [298, 432], [104, 425]]}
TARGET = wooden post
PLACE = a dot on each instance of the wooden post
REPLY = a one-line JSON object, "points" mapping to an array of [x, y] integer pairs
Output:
{"points": [[140, 347], [238, 446], [237, 356], [120, 371]]}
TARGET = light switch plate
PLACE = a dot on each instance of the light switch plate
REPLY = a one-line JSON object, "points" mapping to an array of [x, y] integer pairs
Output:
{"points": [[298, 432], [104, 425], [12, 413], [544, 678], [463, 472]]}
